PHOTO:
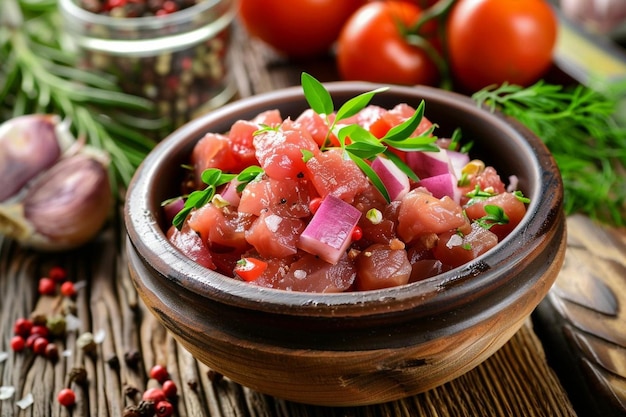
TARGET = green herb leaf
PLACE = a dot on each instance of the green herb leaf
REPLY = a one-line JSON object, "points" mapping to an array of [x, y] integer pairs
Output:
{"points": [[363, 143], [316, 95], [477, 195], [372, 175], [417, 143], [356, 104], [520, 196], [249, 174], [495, 215], [405, 129], [365, 150], [400, 164], [213, 177], [306, 155]]}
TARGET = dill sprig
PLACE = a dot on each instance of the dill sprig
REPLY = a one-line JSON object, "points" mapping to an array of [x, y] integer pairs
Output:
{"points": [[581, 128], [40, 74]]}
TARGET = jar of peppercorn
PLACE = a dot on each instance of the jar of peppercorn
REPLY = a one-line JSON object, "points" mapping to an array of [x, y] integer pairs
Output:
{"points": [[172, 52]]}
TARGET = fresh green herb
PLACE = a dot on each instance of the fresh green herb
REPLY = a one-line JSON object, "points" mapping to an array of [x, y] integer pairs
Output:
{"points": [[464, 180], [455, 142], [477, 195], [582, 129], [306, 155], [521, 197], [39, 74], [214, 178], [248, 175], [495, 215], [364, 146]]}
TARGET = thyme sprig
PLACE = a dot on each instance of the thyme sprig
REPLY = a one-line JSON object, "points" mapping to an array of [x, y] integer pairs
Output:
{"points": [[581, 128], [362, 145], [40, 74]]}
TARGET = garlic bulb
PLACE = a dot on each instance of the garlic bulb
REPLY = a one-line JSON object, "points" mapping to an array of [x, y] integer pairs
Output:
{"points": [[28, 145], [63, 204]]}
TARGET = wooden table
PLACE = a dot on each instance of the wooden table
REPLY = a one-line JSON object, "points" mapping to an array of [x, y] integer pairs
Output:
{"points": [[516, 381]]}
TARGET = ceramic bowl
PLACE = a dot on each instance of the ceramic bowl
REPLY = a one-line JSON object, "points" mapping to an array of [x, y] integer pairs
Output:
{"points": [[361, 347]]}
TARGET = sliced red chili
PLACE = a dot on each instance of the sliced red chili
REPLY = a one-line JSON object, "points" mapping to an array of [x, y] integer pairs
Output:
{"points": [[250, 269]]}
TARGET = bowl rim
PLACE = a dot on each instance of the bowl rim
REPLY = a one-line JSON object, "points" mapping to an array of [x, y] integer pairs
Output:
{"points": [[149, 241]]}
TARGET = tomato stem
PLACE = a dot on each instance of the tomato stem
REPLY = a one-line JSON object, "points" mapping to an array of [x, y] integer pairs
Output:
{"points": [[413, 36]]}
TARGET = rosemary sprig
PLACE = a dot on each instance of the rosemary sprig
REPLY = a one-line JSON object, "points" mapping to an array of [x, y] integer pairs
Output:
{"points": [[580, 126], [40, 74]]}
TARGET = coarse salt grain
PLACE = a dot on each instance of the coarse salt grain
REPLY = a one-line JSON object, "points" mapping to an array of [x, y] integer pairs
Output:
{"points": [[455, 240], [6, 392], [26, 402], [99, 336], [272, 222]]}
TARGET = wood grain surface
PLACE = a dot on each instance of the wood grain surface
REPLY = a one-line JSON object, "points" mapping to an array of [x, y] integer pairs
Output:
{"points": [[583, 320]]}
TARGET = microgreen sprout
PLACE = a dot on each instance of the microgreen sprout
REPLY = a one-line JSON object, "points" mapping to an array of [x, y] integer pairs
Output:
{"points": [[360, 145], [521, 197], [214, 178], [495, 215], [477, 194]]}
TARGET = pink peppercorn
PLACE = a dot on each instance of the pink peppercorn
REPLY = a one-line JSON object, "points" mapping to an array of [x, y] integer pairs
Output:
{"points": [[66, 397], [164, 409], [39, 345], [170, 389], [170, 6], [159, 372], [57, 274], [40, 330], [18, 343], [47, 286], [68, 289], [22, 327], [154, 394]]}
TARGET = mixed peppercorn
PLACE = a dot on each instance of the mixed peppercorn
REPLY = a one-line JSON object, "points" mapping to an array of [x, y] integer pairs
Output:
{"points": [[40, 332], [180, 79], [136, 8]]}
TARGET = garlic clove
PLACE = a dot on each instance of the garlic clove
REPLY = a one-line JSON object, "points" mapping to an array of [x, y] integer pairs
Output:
{"points": [[62, 209], [28, 146]]}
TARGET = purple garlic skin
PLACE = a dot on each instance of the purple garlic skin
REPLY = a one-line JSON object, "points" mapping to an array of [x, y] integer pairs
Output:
{"points": [[71, 202], [28, 146]]}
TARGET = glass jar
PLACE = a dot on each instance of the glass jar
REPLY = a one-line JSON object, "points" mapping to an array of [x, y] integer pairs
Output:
{"points": [[179, 61]]}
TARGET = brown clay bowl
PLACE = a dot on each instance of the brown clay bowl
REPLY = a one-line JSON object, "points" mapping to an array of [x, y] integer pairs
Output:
{"points": [[352, 348]]}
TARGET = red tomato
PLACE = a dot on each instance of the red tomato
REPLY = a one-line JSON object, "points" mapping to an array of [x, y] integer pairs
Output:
{"points": [[298, 28], [493, 41], [371, 46]]}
